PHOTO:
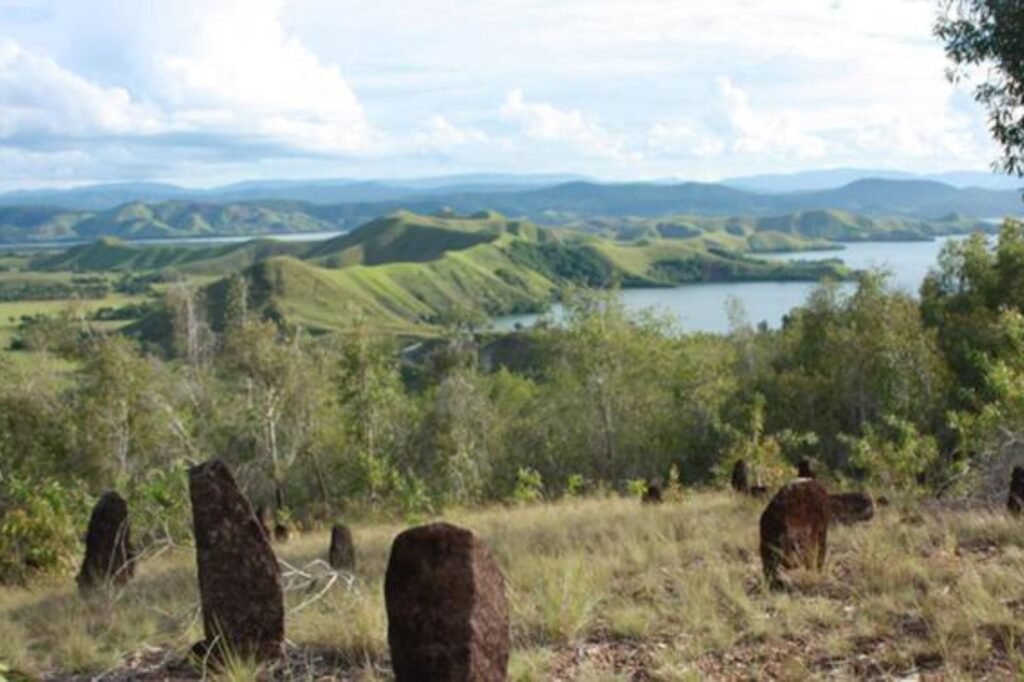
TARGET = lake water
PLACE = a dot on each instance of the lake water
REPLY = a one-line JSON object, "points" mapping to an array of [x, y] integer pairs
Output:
{"points": [[702, 307]]}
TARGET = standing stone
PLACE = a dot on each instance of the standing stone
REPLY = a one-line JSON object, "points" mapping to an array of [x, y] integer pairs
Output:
{"points": [[851, 507], [652, 495], [239, 579], [342, 555], [794, 529], [108, 546], [1015, 502], [739, 476], [804, 469], [447, 614]]}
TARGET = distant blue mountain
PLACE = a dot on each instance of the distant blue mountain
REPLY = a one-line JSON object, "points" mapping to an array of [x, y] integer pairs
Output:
{"points": [[340, 207], [318, 191], [808, 181]]}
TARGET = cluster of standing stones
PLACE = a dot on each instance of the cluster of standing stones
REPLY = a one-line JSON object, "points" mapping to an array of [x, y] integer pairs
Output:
{"points": [[448, 618]]}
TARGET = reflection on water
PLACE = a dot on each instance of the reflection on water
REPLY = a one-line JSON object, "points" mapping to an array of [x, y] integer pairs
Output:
{"points": [[702, 307]]}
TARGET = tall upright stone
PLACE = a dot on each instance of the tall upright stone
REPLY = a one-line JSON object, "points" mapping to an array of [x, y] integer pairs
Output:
{"points": [[740, 482], [447, 612], [342, 555], [804, 469], [794, 529], [109, 558], [1015, 501], [239, 579]]}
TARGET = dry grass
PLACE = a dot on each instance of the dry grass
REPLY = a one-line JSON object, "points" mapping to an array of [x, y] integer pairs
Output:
{"points": [[609, 590]]}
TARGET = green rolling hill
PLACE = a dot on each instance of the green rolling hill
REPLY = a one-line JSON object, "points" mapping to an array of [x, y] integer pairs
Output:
{"points": [[404, 272], [113, 255], [894, 207], [799, 230]]}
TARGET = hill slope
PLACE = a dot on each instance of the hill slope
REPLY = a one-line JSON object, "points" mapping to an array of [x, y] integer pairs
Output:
{"points": [[570, 202], [485, 263], [113, 255]]}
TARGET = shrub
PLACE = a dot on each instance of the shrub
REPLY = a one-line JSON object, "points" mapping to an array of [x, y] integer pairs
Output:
{"points": [[38, 528], [529, 486], [894, 455]]}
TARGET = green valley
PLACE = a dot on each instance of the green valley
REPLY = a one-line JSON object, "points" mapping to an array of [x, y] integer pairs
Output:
{"points": [[406, 272]]}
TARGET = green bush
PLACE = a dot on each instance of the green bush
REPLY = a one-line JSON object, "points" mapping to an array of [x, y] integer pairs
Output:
{"points": [[529, 486], [38, 528]]}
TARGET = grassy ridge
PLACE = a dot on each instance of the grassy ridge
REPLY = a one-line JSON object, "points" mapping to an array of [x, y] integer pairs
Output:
{"points": [[113, 255], [808, 229], [607, 589], [412, 238], [405, 271]]}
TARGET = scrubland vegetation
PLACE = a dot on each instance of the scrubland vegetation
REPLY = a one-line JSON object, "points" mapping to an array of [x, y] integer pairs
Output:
{"points": [[544, 430], [606, 589]]}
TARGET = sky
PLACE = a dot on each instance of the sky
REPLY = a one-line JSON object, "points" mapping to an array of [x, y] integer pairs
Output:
{"points": [[206, 92]]}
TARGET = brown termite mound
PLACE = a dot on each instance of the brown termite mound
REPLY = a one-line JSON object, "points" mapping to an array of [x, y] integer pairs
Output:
{"points": [[447, 612], [109, 558], [794, 529], [239, 578]]}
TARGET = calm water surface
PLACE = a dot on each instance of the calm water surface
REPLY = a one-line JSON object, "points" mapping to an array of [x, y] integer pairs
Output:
{"points": [[702, 307]]}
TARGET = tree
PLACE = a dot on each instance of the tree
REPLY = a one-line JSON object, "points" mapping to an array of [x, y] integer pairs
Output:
{"points": [[989, 35], [963, 299], [191, 335], [284, 395], [845, 362], [372, 408], [122, 414]]}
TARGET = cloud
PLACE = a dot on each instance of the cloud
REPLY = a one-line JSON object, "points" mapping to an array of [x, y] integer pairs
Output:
{"points": [[444, 133], [243, 73], [233, 82], [198, 90], [41, 100], [683, 139], [778, 133], [547, 123]]}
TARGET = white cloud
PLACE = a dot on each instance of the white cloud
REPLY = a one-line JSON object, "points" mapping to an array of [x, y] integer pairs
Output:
{"points": [[202, 89], [547, 123], [683, 139], [778, 133], [242, 72], [40, 99], [231, 73], [444, 133]]}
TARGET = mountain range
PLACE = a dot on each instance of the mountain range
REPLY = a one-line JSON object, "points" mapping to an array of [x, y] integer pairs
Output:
{"points": [[342, 191], [833, 178], [564, 203]]}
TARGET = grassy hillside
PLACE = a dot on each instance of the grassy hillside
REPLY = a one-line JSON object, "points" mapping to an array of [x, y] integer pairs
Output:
{"points": [[113, 255], [406, 271], [167, 220], [909, 200], [411, 238], [603, 589], [800, 230]]}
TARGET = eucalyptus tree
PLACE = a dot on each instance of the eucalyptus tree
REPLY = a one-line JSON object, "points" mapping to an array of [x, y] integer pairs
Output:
{"points": [[986, 38]]}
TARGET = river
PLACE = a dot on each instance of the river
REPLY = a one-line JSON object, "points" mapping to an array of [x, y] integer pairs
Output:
{"points": [[702, 307]]}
